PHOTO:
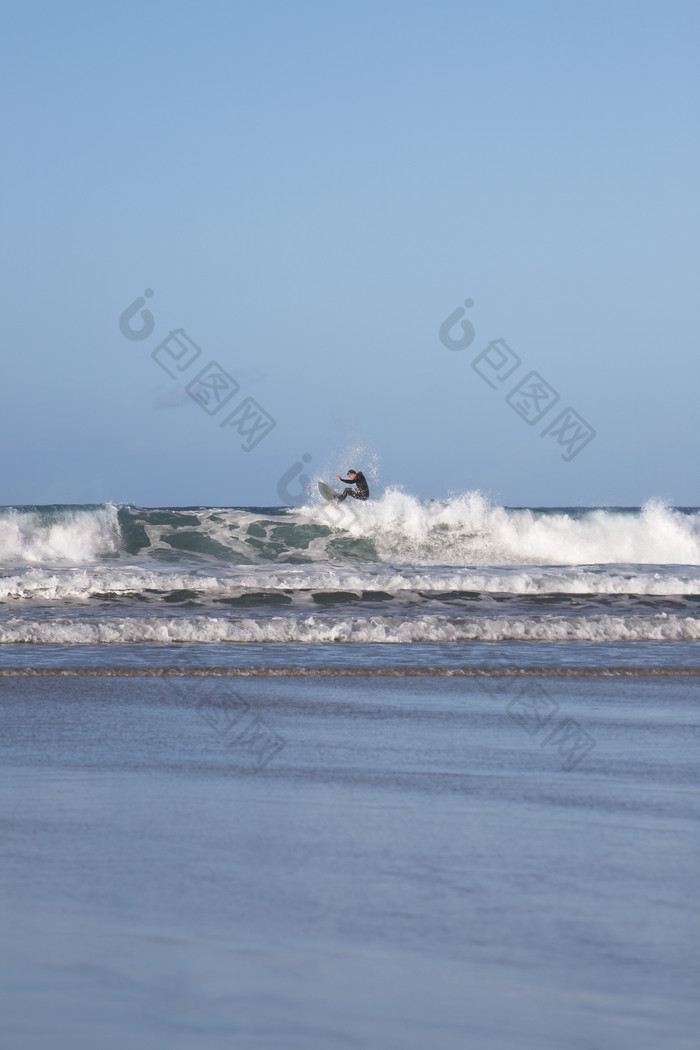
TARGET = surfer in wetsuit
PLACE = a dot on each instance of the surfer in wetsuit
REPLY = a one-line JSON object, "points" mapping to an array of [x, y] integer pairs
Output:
{"points": [[354, 477]]}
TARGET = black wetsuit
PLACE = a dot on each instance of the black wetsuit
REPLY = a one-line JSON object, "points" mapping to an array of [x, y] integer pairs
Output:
{"points": [[362, 488]]}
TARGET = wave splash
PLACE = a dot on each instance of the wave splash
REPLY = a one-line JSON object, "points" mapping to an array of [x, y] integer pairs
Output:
{"points": [[59, 534], [396, 529], [470, 530]]}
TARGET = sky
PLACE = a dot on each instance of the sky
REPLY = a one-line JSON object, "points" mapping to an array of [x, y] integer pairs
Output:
{"points": [[311, 191]]}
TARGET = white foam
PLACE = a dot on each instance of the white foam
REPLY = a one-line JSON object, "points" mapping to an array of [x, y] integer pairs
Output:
{"points": [[81, 583], [396, 530], [70, 534], [310, 629], [468, 529]]}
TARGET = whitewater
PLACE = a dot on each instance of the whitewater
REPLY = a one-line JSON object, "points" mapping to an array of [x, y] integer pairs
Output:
{"points": [[395, 570]]}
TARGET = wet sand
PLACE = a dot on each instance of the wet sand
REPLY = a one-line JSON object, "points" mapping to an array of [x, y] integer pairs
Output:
{"points": [[498, 862]]}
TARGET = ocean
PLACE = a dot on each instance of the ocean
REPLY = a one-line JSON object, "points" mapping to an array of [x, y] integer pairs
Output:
{"points": [[453, 574], [404, 773]]}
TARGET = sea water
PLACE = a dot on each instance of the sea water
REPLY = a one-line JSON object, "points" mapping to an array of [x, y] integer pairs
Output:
{"points": [[395, 571], [405, 774]]}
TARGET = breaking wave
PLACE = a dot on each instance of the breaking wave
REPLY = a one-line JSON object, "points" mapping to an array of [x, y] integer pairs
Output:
{"points": [[397, 529], [392, 570], [290, 583], [319, 629]]}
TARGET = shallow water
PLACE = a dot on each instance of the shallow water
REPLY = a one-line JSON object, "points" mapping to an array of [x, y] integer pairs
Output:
{"points": [[409, 775], [285, 862]]}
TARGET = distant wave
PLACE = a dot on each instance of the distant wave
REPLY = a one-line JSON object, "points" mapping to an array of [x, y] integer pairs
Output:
{"points": [[466, 531]]}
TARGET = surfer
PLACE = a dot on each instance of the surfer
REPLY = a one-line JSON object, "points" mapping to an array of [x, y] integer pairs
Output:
{"points": [[355, 477]]}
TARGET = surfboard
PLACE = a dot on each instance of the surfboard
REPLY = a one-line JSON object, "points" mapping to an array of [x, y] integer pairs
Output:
{"points": [[327, 493]]}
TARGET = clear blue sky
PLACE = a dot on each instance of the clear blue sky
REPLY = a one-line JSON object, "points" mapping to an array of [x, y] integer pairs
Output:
{"points": [[310, 189]]}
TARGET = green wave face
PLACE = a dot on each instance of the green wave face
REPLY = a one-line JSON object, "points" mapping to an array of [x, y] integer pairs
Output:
{"points": [[395, 529]]}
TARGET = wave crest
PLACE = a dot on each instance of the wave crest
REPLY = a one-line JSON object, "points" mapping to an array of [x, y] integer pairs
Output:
{"points": [[470, 530], [397, 529]]}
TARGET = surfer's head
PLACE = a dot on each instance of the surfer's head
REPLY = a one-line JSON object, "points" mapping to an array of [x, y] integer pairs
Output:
{"points": [[352, 473]]}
